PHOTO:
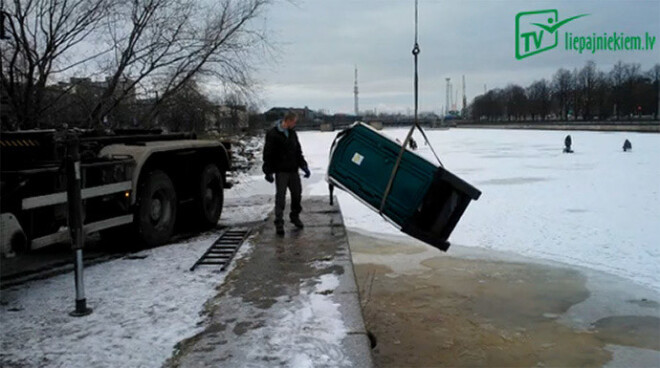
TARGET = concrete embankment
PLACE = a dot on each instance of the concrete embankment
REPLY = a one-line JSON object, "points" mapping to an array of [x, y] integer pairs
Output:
{"points": [[293, 301], [651, 127]]}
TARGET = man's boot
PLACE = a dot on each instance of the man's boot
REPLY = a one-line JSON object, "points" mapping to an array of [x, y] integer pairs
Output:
{"points": [[279, 228], [297, 223]]}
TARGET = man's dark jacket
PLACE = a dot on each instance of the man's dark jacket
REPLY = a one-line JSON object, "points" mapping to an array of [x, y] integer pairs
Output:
{"points": [[282, 154]]}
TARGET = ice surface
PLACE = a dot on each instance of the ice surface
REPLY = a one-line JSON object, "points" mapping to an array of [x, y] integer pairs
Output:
{"points": [[598, 207]]}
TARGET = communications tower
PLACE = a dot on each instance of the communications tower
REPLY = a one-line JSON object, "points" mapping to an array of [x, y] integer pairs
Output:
{"points": [[448, 96], [355, 93], [464, 109]]}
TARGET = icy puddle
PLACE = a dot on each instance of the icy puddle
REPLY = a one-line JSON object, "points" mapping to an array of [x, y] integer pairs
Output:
{"points": [[427, 308]]}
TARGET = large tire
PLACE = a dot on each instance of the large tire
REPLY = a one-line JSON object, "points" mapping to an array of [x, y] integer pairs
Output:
{"points": [[209, 196], [157, 207]]}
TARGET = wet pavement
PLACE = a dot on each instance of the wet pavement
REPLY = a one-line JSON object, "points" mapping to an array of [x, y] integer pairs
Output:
{"points": [[292, 301]]}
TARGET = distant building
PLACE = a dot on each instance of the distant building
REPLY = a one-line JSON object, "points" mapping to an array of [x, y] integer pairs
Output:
{"points": [[429, 117], [77, 97], [340, 121], [309, 119], [304, 114], [97, 88], [228, 118]]}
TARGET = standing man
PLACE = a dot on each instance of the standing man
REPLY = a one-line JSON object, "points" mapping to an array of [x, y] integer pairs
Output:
{"points": [[283, 157]]}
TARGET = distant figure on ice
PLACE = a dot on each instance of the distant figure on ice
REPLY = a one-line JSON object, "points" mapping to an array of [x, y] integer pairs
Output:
{"points": [[413, 144], [627, 146], [567, 144]]}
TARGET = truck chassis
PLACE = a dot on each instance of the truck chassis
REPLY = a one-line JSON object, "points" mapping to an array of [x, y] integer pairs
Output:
{"points": [[133, 184]]}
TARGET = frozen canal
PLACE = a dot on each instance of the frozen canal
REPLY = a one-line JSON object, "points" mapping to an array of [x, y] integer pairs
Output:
{"points": [[598, 207]]}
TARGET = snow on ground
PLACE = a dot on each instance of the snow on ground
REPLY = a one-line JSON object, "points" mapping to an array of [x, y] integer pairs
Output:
{"points": [[142, 308], [598, 207], [303, 331], [315, 325]]}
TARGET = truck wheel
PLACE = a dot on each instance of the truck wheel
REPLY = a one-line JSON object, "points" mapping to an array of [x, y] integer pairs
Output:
{"points": [[156, 209], [209, 197]]}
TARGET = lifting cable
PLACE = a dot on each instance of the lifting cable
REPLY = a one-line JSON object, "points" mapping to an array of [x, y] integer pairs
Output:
{"points": [[415, 52]]}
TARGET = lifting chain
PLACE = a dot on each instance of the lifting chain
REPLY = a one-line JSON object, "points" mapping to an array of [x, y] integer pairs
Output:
{"points": [[415, 51]]}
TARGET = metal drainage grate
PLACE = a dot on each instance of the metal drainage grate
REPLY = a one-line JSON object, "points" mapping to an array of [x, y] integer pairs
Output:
{"points": [[223, 249]]}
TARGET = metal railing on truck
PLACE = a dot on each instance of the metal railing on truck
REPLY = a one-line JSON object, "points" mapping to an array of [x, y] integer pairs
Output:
{"points": [[34, 179], [62, 235]]}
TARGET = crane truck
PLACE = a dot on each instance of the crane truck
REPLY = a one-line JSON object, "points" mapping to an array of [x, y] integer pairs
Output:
{"points": [[134, 183]]}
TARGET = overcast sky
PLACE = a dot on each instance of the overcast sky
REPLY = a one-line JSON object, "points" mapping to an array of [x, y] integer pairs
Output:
{"points": [[320, 42]]}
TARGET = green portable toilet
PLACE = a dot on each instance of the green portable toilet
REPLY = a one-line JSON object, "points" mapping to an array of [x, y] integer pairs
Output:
{"points": [[425, 201]]}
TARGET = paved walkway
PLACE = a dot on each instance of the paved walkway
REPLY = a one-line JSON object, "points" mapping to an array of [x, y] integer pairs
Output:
{"points": [[293, 301]]}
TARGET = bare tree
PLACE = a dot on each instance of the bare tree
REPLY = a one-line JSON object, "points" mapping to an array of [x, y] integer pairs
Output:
{"points": [[516, 101], [584, 93], [165, 43], [575, 95], [632, 74], [42, 35], [141, 45], [489, 105], [617, 79], [587, 84], [187, 109], [561, 85], [654, 75], [539, 98], [603, 96]]}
